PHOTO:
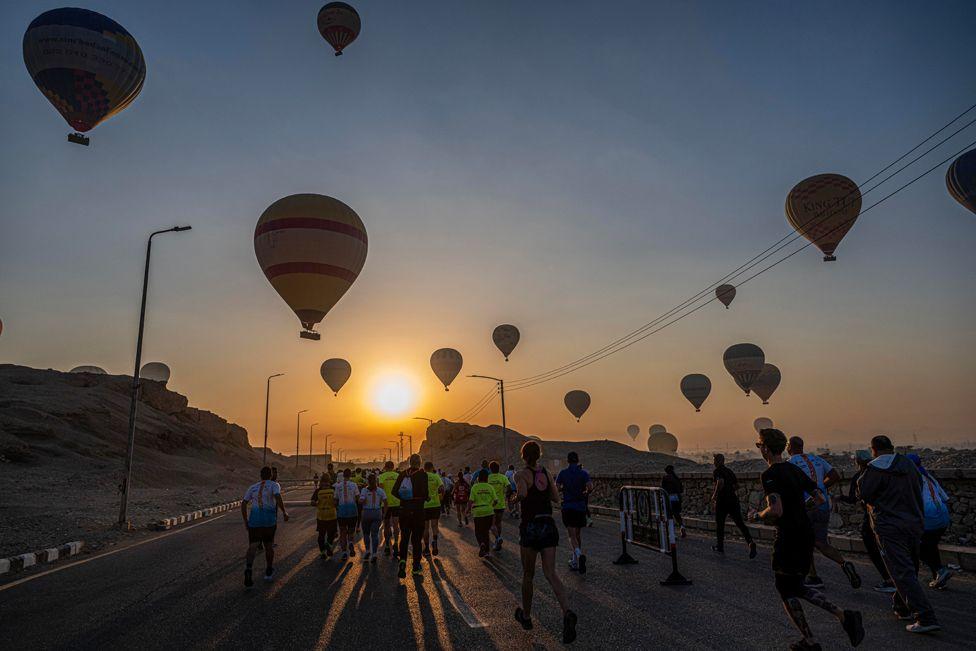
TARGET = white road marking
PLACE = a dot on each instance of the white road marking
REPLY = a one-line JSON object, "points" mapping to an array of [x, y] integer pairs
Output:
{"points": [[464, 610]]}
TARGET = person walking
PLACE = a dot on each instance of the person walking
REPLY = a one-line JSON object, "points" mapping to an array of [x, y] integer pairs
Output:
{"points": [[264, 500], [936, 516], [503, 489], [725, 501], [891, 488], [432, 509], [391, 517], [347, 506], [787, 490], [538, 536], [411, 489], [824, 476], [674, 488], [484, 499], [373, 500], [862, 458], [326, 523], [575, 485], [461, 496]]}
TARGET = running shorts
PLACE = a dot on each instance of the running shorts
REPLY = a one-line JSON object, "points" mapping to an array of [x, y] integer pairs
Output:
{"points": [[348, 522], [574, 519], [793, 555], [820, 519], [790, 586], [539, 533], [433, 513], [328, 527], [392, 512], [261, 535]]}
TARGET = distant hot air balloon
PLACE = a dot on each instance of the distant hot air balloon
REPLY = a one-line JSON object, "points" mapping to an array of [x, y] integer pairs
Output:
{"points": [[961, 180], [339, 24], [506, 338], [766, 383], [823, 208], [744, 362], [94, 370], [335, 372], [311, 248], [725, 293], [446, 364], [633, 431], [662, 442], [656, 429], [155, 371], [86, 64], [762, 423], [577, 402], [695, 388], [1, 326]]}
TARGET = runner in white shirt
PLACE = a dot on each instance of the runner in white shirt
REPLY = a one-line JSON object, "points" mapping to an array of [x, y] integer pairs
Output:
{"points": [[373, 500], [264, 498], [347, 508]]}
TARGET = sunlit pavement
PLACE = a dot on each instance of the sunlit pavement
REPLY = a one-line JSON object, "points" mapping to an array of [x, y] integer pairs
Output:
{"points": [[186, 591]]}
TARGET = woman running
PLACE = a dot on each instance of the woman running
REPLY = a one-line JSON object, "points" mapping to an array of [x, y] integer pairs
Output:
{"points": [[373, 501], [462, 491], [538, 536]]}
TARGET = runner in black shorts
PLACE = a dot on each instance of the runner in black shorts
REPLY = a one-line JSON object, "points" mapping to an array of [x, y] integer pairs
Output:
{"points": [[784, 485]]}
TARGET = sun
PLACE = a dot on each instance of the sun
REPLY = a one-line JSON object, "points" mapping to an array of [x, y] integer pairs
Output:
{"points": [[393, 394]]}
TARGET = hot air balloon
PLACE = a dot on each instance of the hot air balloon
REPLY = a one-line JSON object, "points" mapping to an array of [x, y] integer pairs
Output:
{"points": [[696, 388], [1, 326], [335, 372], [339, 24], [86, 64], [155, 371], [725, 293], [633, 431], [662, 442], [961, 180], [744, 362], [94, 370], [577, 402], [311, 248], [506, 338], [822, 209], [446, 364], [656, 429], [762, 423], [766, 383]]}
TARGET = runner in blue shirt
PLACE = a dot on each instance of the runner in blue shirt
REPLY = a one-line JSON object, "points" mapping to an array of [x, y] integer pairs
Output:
{"points": [[575, 485]]}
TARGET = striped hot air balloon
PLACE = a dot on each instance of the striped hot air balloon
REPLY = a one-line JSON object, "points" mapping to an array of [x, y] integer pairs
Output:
{"points": [[339, 25], [311, 248], [744, 362], [822, 209], [86, 64]]}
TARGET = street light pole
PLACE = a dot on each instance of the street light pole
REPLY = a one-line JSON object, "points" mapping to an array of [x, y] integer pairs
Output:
{"points": [[298, 427], [325, 448], [431, 422], [134, 400], [312, 427], [267, 400], [501, 389], [397, 444]]}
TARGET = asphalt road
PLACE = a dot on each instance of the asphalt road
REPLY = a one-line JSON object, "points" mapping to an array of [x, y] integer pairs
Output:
{"points": [[184, 589]]}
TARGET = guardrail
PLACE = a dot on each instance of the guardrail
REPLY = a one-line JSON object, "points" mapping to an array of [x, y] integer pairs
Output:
{"points": [[645, 521]]}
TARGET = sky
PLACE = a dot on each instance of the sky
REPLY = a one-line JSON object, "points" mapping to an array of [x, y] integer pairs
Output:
{"points": [[575, 169]]}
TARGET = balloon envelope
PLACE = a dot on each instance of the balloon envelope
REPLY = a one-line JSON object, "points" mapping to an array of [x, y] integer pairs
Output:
{"points": [[656, 429], [762, 423], [155, 371], [961, 180], [339, 25], [96, 76], [506, 338], [823, 208], [662, 442], [446, 364], [633, 431], [311, 248], [335, 372], [766, 383], [744, 362], [577, 402], [725, 294], [695, 388], [94, 370]]}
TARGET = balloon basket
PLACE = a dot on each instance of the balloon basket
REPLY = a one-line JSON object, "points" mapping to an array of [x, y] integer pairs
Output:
{"points": [[339, 53], [829, 258], [79, 139], [309, 334]]}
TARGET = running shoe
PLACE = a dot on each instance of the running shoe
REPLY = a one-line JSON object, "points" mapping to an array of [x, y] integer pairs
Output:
{"points": [[941, 578], [919, 627], [352, 550], [814, 582], [520, 617], [417, 571], [581, 564], [269, 573], [885, 587], [324, 554], [366, 557], [482, 551], [498, 544], [752, 550], [684, 534], [345, 555], [375, 556], [569, 627], [903, 615], [402, 571], [248, 581], [853, 626], [718, 550], [386, 550], [433, 547], [851, 573]]}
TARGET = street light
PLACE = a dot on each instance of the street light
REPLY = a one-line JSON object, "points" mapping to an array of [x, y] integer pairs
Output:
{"points": [[298, 427], [399, 452], [134, 401], [310, 429], [325, 448], [431, 421], [501, 389], [267, 400]]}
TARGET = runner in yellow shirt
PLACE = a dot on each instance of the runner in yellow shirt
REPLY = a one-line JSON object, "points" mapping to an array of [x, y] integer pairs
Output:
{"points": [[502, 487], [326, 523], [483, 502], [391, 523], [432, 509]]}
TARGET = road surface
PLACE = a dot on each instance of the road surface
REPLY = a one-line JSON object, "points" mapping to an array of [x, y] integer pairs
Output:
{"points": [[184, 589]]}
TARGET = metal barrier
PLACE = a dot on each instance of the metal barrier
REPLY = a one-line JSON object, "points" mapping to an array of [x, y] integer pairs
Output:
{"points": [[645, 521]]}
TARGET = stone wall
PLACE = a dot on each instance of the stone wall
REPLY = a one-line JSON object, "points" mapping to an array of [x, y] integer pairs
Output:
{"points": [[960, 484]]}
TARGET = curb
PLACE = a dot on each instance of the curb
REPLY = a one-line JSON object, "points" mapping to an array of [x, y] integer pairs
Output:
{"points": [[169, 523], [22, 561]]}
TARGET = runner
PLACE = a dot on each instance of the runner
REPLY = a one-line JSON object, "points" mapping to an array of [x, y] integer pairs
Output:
{"points": [[725, 501], [360, 480], [391, 519], [512, 504], [824, 476], [937, 520], [672, 484], [411, 489], [862, 458], [467, 475], [503, 489], [786, 487], [347, 501], [323, 499], [538, 536], [448, 489], [373, 501], [432, 509], [461, 495], [483, 502], [262, 522], [575, 484]]}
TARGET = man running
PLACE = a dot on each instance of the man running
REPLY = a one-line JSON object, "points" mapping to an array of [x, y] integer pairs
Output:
{"points": [[671, 483], [347, 503], [391, 520], [432, 509], [446, 497], [326, 524], [503, 489], [411, 489], [575, 485], [264, 499], [725, 501], [467, 475], [512, 504], [824, 476], [483, 503], [786, 486]]}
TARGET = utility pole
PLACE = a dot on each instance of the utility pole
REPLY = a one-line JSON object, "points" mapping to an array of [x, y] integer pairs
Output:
{"points": [[501, 390], [397, 444], [267, 400], [134, 400], [310, 430], [325, 449], [298, 426]]}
